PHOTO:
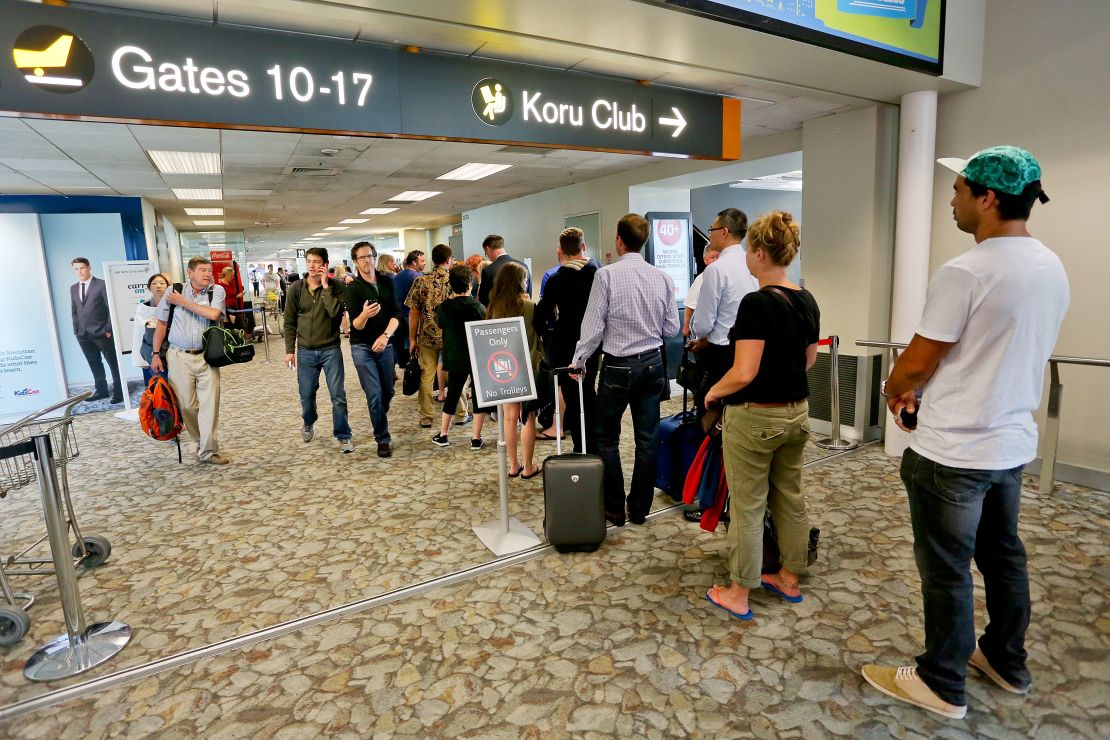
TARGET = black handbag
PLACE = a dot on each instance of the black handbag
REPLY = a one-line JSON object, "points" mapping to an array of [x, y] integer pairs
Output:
{"points": [[411, 382], [226, 346]]}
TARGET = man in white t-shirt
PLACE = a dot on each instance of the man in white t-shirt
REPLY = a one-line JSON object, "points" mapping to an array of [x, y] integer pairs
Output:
{"points": [[990, 322]]}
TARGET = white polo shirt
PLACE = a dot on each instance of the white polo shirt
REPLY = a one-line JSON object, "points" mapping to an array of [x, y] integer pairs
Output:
{"points": [[1002, 303]]}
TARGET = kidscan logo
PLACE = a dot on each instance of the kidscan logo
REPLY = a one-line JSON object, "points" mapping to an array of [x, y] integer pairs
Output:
{"points": [[492, 101], [53, 58], [27, 392]]}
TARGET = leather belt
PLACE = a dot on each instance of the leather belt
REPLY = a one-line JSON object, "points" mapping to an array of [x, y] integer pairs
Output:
{"points": [[629, 358]]}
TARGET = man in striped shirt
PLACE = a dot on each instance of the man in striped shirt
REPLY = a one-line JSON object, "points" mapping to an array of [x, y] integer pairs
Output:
{"points": [[632, 307]]}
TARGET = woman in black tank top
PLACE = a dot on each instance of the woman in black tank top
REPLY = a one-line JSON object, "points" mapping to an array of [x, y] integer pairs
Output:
{"points": [[766, 418]]}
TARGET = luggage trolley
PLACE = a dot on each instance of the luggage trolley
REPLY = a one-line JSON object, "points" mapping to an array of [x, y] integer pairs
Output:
{"points": [[39, 447]]}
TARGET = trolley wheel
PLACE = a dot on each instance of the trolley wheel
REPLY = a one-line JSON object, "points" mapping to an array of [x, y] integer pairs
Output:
{"points": [[97, 550], [14, 624]]}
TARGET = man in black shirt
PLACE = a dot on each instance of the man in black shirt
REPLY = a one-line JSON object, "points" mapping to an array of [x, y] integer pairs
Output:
{"points": [[564, 302], [494, 247], [372, 305]]}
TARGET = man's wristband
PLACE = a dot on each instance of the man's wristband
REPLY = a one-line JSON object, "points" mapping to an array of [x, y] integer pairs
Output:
{"points": [[155, 354]]}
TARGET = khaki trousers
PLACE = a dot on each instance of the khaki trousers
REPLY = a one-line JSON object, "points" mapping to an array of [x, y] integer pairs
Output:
{"points": [[429, 360], [763, 449], [197, 387]]}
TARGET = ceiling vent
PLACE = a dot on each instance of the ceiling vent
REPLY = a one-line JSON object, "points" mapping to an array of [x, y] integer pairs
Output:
{"points": [[311, 171]]}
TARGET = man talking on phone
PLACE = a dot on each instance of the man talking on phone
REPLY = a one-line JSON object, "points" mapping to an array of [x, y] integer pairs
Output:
{"points": [[371, 303], [313, 313]]}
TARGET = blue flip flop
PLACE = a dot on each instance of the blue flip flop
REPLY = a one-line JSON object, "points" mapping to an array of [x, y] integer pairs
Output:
{"points": [[773, 589], [746, 616]]}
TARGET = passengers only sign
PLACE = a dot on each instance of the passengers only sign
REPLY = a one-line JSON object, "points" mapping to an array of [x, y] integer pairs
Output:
{"points": [[110, 66], [500, 361]]}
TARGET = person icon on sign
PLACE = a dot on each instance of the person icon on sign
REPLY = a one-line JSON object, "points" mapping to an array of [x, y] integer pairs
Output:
{"points": [[496, 101]]}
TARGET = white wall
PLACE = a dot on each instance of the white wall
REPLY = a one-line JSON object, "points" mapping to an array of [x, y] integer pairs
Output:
{"points": [[848, 217], [1045, 85], [531, 225]]}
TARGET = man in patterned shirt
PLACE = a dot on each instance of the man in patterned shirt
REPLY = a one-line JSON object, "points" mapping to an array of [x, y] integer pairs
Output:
{"points": [[425, 337], [632, 307]]}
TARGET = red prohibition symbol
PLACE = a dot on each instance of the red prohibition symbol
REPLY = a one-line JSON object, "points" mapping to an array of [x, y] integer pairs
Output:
{"points": [[502, 367]]}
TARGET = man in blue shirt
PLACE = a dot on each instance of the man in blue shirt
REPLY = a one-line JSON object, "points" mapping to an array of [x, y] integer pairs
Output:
{"points": [[632, 307], [402, 283]]}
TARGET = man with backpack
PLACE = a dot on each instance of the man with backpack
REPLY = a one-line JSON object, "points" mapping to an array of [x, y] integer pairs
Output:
{"points": [[183, 315]]}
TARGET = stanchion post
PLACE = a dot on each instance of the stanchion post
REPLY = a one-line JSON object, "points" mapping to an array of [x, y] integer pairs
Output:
{"points": [[265, 335], [503, 476], [1051, 429], [834, 442], [82, 647]]}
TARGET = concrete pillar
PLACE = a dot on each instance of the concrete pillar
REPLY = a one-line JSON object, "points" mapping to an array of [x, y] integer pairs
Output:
{"points": [[913, 228]]}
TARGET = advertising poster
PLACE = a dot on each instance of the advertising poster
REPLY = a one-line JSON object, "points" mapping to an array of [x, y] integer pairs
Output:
{"points": [[76, 246], [30, 369], [126, 283], [670, 251]]}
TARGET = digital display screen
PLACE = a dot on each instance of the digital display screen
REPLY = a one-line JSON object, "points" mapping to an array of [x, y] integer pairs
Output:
{"points": [[905, 33]]}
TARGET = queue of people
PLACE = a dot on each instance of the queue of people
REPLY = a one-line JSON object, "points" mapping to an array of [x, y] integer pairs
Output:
{"points": [[973, 372]]}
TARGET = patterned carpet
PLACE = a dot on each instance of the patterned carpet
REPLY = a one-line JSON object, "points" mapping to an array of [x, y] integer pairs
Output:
{"points": [[617, 643]]}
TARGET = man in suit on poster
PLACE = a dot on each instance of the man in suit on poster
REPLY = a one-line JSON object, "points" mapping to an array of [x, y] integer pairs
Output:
{"points": [[92, 327]]}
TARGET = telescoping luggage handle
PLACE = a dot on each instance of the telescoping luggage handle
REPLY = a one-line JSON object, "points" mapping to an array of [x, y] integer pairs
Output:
{"points": [[581, 405]]}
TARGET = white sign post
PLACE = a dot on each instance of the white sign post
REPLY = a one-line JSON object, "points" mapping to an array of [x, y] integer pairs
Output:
{"points": [[501, 368], [126, 284]]}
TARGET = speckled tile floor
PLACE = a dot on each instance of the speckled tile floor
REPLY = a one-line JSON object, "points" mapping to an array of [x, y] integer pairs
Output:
{"points": [[620, 642]]}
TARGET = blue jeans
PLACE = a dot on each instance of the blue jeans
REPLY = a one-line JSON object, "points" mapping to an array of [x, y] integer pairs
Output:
{"points": [[375, 375], [309, 364], [636, 383], [958, 515]]}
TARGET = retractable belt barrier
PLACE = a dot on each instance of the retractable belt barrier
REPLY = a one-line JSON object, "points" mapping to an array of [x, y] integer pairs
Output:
{"points": [[1052, 418], [834, 441]]}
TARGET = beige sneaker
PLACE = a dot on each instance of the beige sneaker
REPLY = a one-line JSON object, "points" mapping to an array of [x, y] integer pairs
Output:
{"points": [[979, 662], [215, 459], [905, 685]]}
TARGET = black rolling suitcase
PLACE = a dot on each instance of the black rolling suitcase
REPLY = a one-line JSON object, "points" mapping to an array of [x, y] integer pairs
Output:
{"points": [[574, 509]]}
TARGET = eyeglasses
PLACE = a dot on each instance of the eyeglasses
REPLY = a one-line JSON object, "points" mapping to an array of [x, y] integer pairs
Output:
{"points": [[711, 229], [365, 257]]}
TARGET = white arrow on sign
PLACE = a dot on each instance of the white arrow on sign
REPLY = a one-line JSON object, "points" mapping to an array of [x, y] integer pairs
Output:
{"points": [[678, 122]]}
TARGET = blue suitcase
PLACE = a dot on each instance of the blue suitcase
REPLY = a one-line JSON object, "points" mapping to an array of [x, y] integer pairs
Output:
{"points": [[676, 445]]}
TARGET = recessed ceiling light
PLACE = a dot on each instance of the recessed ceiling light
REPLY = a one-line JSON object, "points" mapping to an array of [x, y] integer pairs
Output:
{"points": [[198, 193], [354, 220], [208, 223], [474, 171], [204, 211], [186, 163], [321, 233], [336, 228], [311, 239], [377, 211], [413, 196]]}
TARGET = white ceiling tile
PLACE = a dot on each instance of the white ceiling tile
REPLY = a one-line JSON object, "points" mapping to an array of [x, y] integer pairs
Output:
{"points": [[57, 166]]}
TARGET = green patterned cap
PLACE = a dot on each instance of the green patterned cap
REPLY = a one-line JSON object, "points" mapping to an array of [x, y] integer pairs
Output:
{"points": [[1005, 169]]}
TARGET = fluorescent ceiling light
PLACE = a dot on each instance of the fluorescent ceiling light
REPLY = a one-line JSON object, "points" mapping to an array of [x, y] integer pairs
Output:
{"points": [[198, 193], [186, 163], [354, 220], [474, 171], [413, 196], [377, 211], [311, 239], [204, 211], [208, 223], [321, 233], [336, 228]]}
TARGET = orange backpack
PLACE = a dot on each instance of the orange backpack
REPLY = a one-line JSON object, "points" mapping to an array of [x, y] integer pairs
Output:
{"points": [[159, 415]]}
